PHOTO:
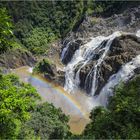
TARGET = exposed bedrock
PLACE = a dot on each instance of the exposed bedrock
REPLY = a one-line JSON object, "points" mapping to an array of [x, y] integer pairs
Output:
{"points": [[127, 21], [50, 72]]}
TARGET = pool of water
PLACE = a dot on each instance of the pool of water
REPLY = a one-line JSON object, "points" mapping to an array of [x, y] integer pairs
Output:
{"points": [[77, 105]]}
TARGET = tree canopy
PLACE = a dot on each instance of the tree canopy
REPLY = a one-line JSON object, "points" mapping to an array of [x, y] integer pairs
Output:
{"points": [[17, 99], [5, 30], [121, 120]]}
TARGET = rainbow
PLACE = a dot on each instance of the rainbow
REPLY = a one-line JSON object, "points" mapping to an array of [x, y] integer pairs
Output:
{"points": [[36, 80], [59, 90], [70, 104]]}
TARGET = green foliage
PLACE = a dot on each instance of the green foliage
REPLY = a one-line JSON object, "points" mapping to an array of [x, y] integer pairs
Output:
{"points": [[46, 122], [16, 101], [5, 30], [22, 118], [38, 40], [107, 7], [38, 23], [121, 120]]}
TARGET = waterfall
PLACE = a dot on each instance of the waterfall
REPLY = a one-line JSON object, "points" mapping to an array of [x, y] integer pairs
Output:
{"points": [[100, 60], [81, 56], [96, 51], [85, 54]]}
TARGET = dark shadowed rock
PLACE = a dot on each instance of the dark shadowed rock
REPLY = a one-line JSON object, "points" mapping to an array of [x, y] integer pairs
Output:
{"points": [[50, 72]]}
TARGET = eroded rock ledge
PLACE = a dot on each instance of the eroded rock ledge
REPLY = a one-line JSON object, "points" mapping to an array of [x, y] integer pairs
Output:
{"points": [[16, 57], [50, 72]]}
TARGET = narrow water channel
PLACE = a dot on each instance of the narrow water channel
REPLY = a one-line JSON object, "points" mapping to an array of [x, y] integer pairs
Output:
{"points": [[76, 105]]}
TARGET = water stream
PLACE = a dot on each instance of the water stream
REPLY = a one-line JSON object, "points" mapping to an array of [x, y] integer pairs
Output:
{"points": [[97, 46]]}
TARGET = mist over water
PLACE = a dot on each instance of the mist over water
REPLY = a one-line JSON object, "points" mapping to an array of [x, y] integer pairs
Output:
{"points": [[77, 106]]}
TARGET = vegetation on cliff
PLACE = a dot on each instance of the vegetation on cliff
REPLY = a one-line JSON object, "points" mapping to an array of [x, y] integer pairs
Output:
{"points": [[38, 23], [20, 114], [16, 101], [121, 118], [22, 117], [6, 33], [46, 122]]}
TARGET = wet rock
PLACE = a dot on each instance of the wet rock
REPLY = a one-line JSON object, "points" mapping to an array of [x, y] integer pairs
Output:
{"points": [[137, 71], [50, 72], [73, 46], [122, 50]]}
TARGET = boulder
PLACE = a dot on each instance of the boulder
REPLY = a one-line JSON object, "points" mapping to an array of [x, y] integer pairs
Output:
{"points": [[50, 72]]}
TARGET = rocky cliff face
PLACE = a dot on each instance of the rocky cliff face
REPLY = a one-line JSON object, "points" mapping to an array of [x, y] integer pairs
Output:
{"points": [[15, 58], [50, 71], [54, 75], [122, 49], [128, 21]]}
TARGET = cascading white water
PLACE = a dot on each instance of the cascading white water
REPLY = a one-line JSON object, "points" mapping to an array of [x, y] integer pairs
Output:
{"points": [[65, 49], [100, 60], [99, 45], [124, 74], [82, 56], [138, 33]]}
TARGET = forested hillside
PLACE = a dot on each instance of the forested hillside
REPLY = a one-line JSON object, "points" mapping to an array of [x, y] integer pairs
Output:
{"points": [[121, 119], [39, 23]]}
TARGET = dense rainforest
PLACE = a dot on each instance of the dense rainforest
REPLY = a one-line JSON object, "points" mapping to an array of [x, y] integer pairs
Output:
{"points": [[32, 26]]}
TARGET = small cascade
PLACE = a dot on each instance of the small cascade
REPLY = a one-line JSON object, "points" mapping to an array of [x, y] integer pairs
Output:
{"points": [[138, 33], [70, 45], [65, 50], [66, 45], [124, 74]]}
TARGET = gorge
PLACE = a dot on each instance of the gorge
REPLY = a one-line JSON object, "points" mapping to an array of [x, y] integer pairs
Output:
{"points": [[89, 58], [69, 69]]}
